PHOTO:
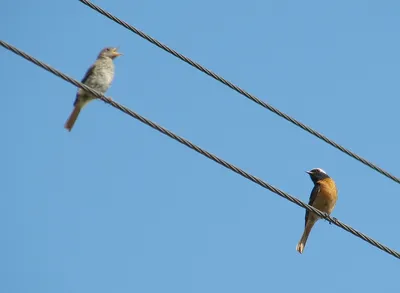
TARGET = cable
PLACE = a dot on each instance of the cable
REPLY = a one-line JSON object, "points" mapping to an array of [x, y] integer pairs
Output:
{"points": [[240, 91], [201, 151]]}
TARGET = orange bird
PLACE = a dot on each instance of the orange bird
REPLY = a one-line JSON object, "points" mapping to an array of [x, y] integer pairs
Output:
{"points": [[323, 197]]}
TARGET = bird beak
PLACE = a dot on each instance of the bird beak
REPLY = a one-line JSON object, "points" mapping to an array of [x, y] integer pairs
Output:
{"points": [[116, 53], [308, 172]]}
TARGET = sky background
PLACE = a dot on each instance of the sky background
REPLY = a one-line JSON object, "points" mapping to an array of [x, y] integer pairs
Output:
{"points": [[115, 206]]}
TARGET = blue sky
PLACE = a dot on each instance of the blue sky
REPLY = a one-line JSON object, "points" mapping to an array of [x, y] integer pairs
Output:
{"points": [[115, 206]]}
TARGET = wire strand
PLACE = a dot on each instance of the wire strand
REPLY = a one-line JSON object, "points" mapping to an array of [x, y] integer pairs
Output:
{"points": [[201, 151], [240, 90]]}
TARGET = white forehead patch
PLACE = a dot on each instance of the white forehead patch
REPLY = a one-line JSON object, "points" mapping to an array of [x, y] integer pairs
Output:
{"points": [[320, 170]]}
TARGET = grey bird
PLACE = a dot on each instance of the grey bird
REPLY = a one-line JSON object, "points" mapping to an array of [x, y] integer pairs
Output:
{"points": [[98, 77]]}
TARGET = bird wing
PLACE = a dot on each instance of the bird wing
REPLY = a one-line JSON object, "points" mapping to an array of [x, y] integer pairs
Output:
{"points": [[313, 196], [84, 79], [87, 74]]}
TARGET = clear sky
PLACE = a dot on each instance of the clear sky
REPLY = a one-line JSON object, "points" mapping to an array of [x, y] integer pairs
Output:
{"points": [[115, 206]]}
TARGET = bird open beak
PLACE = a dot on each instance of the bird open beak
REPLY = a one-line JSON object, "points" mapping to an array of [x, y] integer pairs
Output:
{"points": [[116, 53]]}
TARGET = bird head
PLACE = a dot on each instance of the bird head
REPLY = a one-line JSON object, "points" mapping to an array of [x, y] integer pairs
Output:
{"points": [[109, 52], [317, 174]]}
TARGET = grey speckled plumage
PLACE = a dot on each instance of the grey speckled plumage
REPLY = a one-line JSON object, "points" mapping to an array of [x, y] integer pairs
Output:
{"points": [[99, 77]]}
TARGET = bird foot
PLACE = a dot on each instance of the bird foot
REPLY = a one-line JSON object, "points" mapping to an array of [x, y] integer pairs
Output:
{"points": [[330, 221]]}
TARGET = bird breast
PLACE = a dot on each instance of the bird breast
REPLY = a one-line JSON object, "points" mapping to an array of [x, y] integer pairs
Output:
{"points": [[103, 75]]}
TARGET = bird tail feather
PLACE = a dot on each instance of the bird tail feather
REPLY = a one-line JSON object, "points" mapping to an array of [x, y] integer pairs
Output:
{"points": [[303, 240], [72, 118]]}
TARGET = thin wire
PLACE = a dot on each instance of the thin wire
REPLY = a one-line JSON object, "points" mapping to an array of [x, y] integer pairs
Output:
{"points": [[201, 151], [240, 90]]}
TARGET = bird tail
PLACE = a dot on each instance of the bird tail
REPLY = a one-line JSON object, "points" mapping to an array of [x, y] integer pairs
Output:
{"points": [[72, 118], [303, 240]]}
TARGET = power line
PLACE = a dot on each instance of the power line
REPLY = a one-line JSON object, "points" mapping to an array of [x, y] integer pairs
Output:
{"points": [[201, 151], [240, 90]]}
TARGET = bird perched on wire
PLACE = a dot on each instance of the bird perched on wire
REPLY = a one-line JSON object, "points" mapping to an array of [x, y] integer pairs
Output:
{"points": [[323, 197], [98, 77]]}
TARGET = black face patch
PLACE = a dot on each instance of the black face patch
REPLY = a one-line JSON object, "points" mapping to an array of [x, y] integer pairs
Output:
{"points": [[317, 174]]}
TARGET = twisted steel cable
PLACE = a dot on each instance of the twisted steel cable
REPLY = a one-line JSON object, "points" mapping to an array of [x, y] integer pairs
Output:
{"points": [[240, 90], [201, 151]]}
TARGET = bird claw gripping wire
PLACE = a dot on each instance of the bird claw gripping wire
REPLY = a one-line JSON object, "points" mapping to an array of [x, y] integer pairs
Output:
{"points": [[330, 220]]}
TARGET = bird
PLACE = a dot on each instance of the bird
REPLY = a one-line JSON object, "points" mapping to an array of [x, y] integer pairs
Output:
{"points": [[99, 77], [323, 197]]}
